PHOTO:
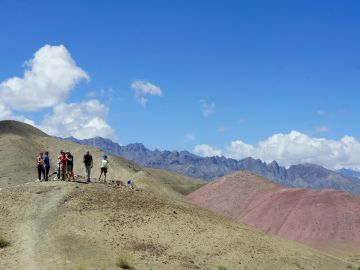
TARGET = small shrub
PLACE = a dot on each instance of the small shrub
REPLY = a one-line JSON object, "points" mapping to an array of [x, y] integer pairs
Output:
{"points": [[123, 261], [3, 243]]}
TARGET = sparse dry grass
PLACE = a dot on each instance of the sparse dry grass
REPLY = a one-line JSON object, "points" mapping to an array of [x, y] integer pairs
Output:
{"points": [[154, 249], [3, 242], [123, 261]]}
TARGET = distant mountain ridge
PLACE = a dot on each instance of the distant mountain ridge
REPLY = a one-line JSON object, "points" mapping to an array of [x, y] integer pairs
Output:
{"points": [[349, 173], [209, 168]]}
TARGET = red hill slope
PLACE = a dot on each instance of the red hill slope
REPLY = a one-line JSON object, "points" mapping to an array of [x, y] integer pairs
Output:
{"points": [[328, 220]]}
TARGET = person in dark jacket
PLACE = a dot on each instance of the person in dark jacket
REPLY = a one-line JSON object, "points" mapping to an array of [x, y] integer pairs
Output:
{"points": [[70, 166], [88, 162], [46, 165]]}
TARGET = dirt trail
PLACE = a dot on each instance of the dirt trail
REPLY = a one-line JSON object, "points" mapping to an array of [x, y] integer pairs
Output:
{"points": [[36, 214]]}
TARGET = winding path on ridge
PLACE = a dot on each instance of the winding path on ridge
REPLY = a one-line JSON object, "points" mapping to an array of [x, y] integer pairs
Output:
{"points": [[36, 215]]}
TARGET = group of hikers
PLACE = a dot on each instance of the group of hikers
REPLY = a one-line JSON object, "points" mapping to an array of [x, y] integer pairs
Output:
{"points": [[65, 166]]}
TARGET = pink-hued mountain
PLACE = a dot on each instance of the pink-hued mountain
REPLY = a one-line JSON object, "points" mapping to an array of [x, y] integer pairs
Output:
{"points": [[326, 219]]}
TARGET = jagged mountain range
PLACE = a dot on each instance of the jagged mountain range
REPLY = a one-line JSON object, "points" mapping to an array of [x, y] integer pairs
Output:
{"points": [[209, 168]]}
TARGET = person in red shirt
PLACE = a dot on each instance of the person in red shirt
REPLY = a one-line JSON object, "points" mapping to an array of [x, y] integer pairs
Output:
{"points": [[62, 165]]}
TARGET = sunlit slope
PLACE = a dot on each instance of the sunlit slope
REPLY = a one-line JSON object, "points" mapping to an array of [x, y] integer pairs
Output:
{"points": [[19, 144], [59, 225]]}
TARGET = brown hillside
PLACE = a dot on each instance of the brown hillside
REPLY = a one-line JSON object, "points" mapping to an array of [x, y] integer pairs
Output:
{"points": [[328, 220], [14, 127], [66, 226], [60, 225]]}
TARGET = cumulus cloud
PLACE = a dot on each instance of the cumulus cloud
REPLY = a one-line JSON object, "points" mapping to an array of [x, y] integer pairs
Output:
{"points": [[48, 79], [206, 150], [5, 113], [206, 108], [82, 120], [143, 88], [238, 150], [295, 148]]}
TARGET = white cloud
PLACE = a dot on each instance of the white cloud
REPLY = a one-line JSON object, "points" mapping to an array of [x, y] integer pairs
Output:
{"points": [[143, 88], [142, 100], [206, 108], [82, 120], [6, 114], [238, 149], [206, 150], [50, 76], [322, 129], [103, 94], [295, 148], [47, 82]]}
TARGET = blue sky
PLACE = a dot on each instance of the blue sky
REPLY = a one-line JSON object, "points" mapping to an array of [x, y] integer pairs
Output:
{"points": [[266, 67]]}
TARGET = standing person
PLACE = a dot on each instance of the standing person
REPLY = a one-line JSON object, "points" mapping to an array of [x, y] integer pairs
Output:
{"points": [[131, 183], [40, 166], [88, 162], [62, 165], [69, 166], [104, 166], [58, 168], [46, 165]]}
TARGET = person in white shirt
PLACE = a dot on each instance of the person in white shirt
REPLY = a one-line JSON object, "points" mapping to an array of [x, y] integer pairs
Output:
{"points": [[104, 167]]}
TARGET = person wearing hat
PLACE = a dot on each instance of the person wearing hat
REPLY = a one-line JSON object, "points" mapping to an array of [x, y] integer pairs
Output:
{"points": [[104, 167]]}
